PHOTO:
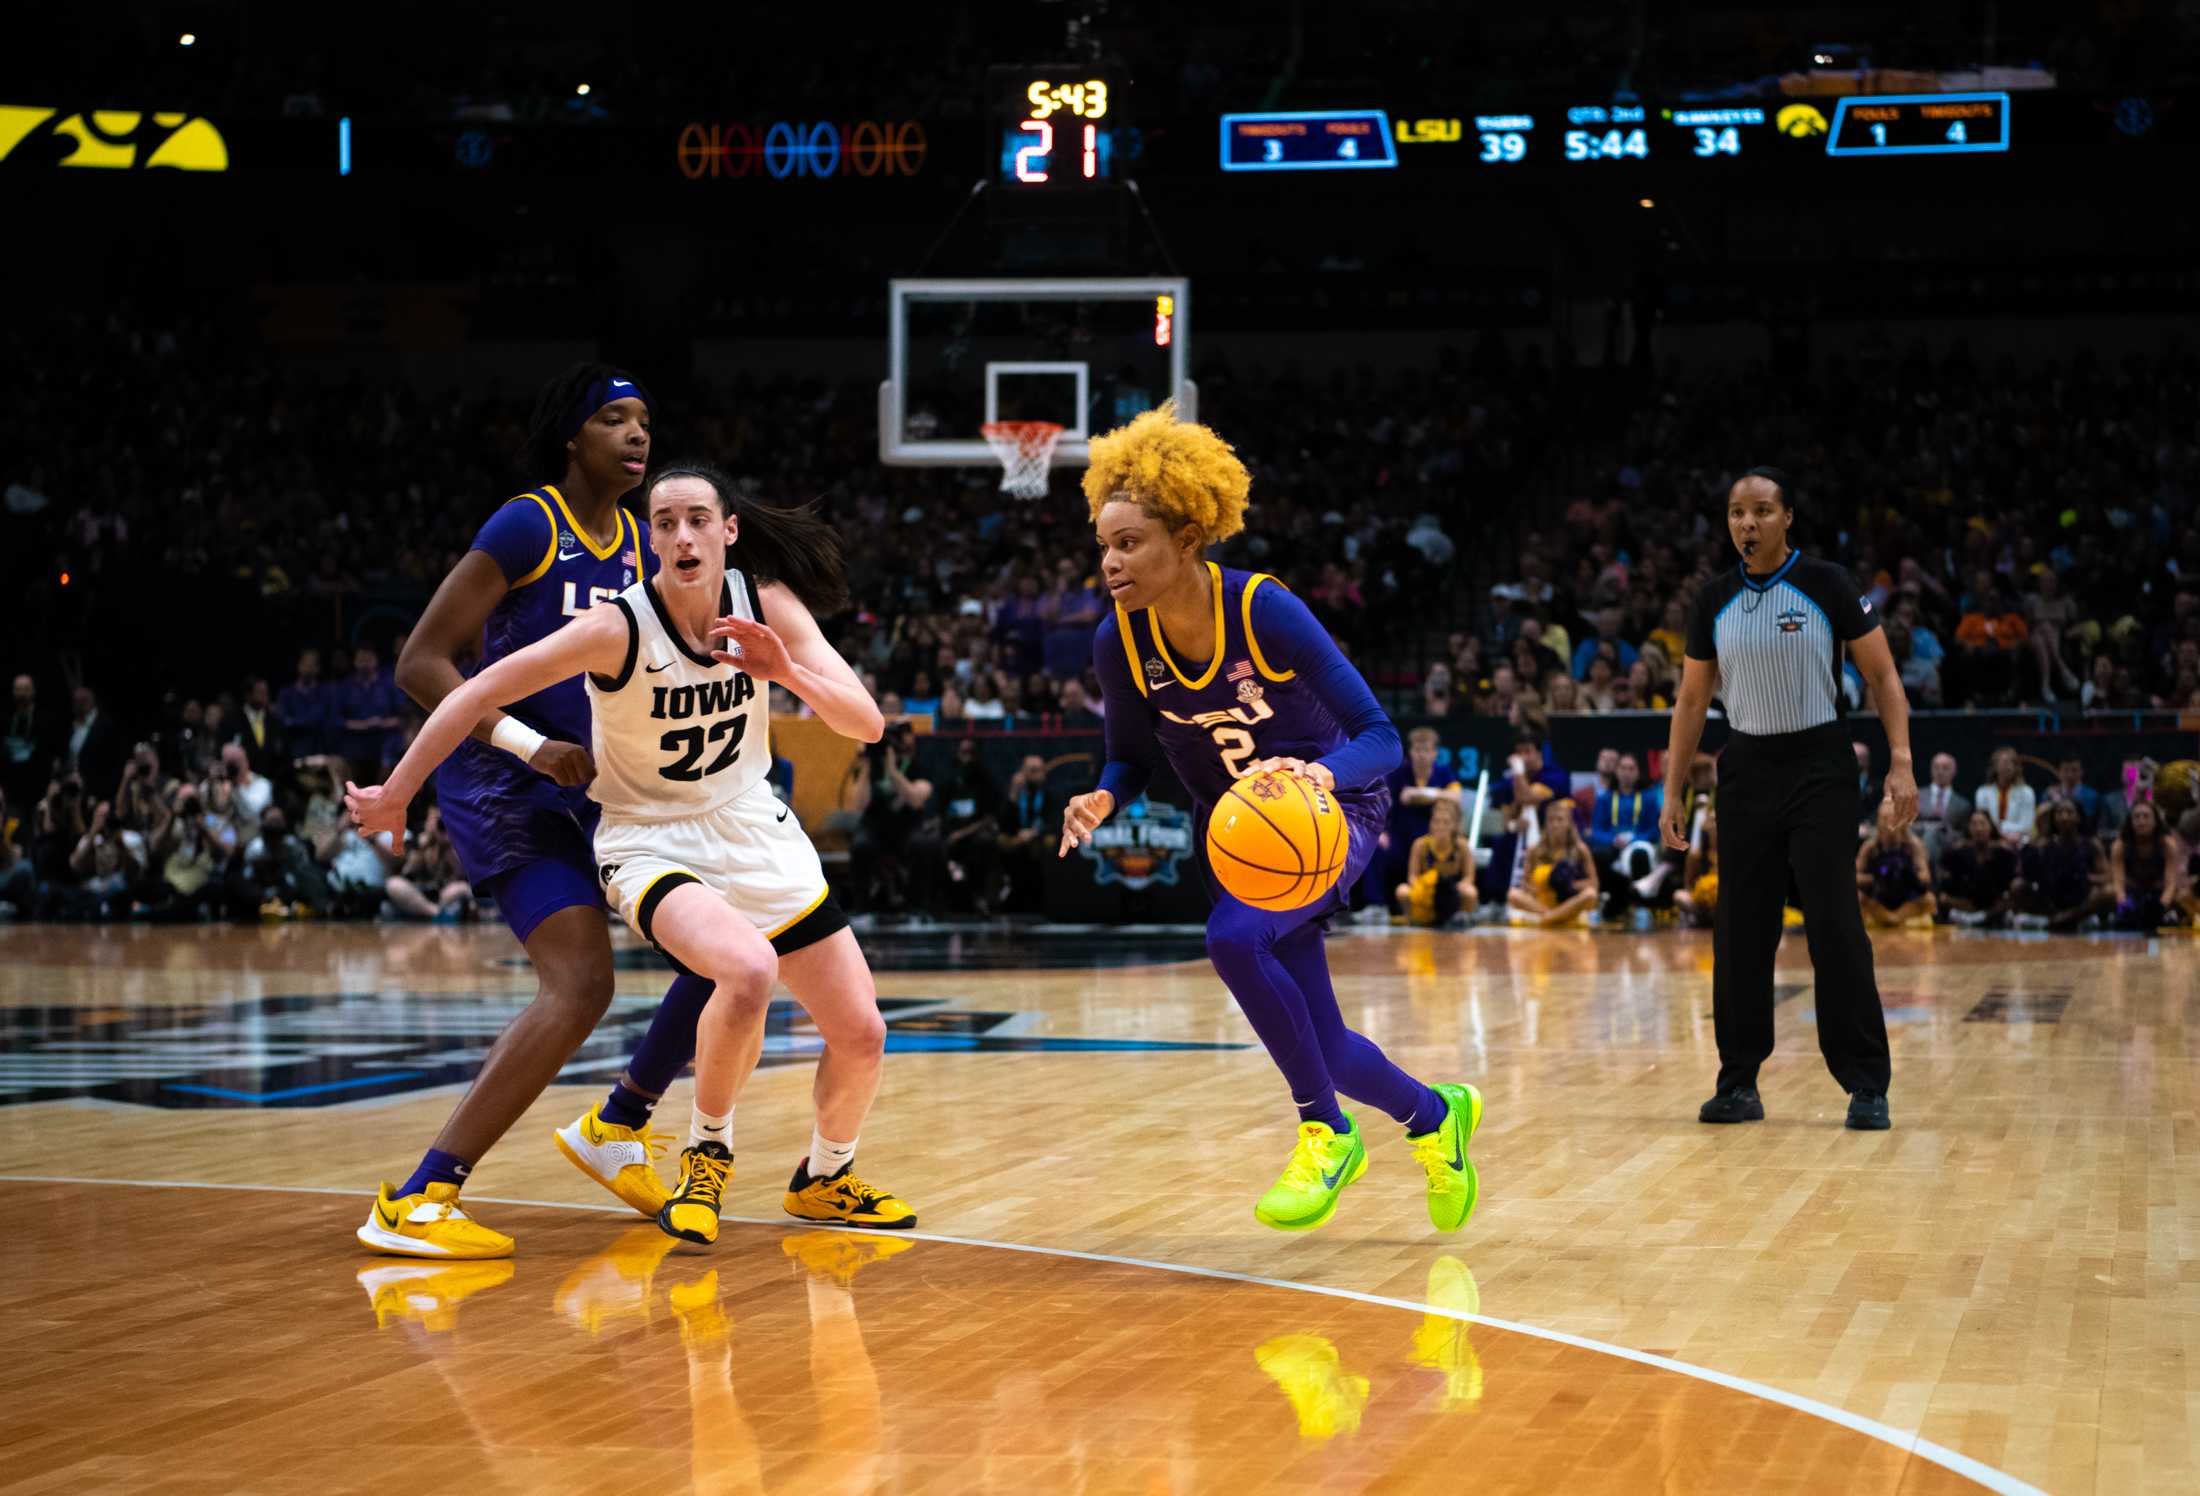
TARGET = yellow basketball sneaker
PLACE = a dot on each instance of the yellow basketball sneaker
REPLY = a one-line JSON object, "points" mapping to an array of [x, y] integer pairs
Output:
{"points": [[1327, 1399], [1453, 1184], [1322, 1164], [835, 1257], [1445, 1344], [428, 1293], [692, 1211], [614, 1285], [429, 1224], [621, 1159], [844, 1200]]}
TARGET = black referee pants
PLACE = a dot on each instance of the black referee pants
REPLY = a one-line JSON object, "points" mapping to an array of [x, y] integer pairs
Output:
{"points": [[1787, 805]]}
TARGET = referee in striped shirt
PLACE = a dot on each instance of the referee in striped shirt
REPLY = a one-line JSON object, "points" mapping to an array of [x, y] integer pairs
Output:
{"points": [[1767, 638]]}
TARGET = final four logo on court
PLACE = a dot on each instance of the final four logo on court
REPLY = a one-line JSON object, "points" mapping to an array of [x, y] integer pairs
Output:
{"points": [[1146, 845], [1790, 620]]}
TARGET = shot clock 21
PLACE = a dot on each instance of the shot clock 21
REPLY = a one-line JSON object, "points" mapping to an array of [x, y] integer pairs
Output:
{"points": [[1057, 126]]}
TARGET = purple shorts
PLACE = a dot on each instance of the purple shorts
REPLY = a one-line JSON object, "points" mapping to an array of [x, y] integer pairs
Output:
{"points": [[520, 838]]}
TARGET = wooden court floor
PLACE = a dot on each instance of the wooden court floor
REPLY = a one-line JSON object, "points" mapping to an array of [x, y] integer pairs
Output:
{"points": [[2001, 1293]]}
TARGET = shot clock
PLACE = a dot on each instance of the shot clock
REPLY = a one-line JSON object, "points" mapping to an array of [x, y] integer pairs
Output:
{"points": [[1056, 126]]}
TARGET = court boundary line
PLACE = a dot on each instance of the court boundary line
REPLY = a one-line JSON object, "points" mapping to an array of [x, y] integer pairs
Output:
{"points": [[1999, 1481]]}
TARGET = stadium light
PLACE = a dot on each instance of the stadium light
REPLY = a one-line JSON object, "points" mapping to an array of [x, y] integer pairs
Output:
{"points": [[582, 90], [189, 38]]}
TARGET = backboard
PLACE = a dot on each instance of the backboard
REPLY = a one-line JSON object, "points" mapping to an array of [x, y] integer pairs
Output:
{"points": [[1088, 354]]}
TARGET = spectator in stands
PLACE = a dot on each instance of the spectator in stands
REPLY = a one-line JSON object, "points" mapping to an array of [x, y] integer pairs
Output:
{"points": [[107, 863], [141, 800], [1978, 874], [1076, 705], [1920, 678], [192, 853], [1943, 815], [1606, 642], [2050, 612], [2070, 786], [1564, 695], [921, 700], [892, 842], [2098, 693], [985, 703], [1894, 882], [1644, 691], [2146, 870], [1623, 827], [1439, 883], [94, 747], [1989, 639], [32, 743], [1561, 885], [430, 884], [1595, 693], [1436, 698], [367, 714], [1028, 816], [1867, 792], [970, 803], [1416, 787], [1671, 634], [2065, 880], [276, 873], [306, 708], [18, 884], [2007, 798], [260, 731], [1530, 782]]}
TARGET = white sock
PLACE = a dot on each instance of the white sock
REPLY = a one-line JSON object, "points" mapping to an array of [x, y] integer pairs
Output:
{"points": [[704, 1128], [827, 1157]]}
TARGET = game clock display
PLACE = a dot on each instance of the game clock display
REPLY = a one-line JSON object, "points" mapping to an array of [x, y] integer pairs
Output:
{"points": [[1057, 126]]}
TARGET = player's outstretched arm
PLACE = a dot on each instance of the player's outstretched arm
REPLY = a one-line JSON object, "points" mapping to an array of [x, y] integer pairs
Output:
{"points": [[788, 649], [594, 641]]}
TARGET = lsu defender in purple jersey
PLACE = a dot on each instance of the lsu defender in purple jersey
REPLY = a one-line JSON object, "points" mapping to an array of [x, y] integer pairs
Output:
{"points": [[500, 813]]}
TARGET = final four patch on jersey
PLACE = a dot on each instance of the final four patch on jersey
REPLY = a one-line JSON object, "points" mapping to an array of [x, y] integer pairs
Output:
{"points": [[1790, 620], [1156, 672]]}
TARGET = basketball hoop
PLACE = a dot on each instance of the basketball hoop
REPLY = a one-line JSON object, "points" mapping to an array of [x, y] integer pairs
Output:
{"points": [[1025, 448]]}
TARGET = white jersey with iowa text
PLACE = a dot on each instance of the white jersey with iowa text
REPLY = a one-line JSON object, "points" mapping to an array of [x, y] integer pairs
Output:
{"points": [[677, 733]]}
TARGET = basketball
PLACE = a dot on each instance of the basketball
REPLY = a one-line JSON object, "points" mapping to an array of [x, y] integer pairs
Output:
{"points": [[1276, 841]]}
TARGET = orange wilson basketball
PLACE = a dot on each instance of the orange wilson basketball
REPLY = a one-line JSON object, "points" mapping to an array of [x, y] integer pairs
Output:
{"points": [[1277, 841]]}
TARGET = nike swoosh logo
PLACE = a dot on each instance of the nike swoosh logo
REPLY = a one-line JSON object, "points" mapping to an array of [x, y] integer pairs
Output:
{"points": [[620, 384], [653, 669], [1458, 1153], [1329, 1181], [782, 813], [387, 1218]]}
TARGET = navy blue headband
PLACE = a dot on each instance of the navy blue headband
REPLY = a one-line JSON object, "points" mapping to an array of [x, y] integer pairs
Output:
{"points": [[597, 396]]}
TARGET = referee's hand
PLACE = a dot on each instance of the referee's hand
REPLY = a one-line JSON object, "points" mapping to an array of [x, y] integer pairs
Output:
{"points": [[1673, 822], [1901, 796]]}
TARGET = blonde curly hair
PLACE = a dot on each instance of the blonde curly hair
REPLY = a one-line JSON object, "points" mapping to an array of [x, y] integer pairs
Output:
{"points": [[1178, 472]]}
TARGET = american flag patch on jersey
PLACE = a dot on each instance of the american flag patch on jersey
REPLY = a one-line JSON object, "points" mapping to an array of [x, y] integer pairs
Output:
{"points": [[1242, 670]]}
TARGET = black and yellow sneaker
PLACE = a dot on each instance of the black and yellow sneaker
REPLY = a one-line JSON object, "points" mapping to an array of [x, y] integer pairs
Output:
{"points": [[842, 1199], [692, 1211]]}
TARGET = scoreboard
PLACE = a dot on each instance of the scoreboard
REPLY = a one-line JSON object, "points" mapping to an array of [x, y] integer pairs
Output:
{"points": [[1055, 126], [1596, 139]]}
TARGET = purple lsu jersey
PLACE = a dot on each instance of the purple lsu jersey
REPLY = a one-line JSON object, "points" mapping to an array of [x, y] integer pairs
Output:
{"points": [[499, 812], [1240, 708]]}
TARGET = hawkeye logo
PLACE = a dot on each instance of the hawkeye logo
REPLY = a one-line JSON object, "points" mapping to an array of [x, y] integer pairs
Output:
{"points": [[1147, 845], [1800, 121], [110, 139]]}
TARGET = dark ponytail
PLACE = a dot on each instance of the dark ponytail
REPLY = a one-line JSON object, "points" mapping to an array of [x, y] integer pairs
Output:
{"points": [[542, 457], [790, 545]]}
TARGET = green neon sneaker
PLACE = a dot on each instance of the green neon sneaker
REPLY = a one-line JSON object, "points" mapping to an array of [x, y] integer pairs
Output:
{"points": [[1322, 1164], [1453, 1185]]}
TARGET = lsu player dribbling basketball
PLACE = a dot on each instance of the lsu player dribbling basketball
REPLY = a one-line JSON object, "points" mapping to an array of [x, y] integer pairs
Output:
{"points": [[1229, 676], [693, 849]]}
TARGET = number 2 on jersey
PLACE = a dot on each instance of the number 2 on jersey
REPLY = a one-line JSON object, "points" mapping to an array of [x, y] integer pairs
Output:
{"points": [[1237, 746], [688, 743]]}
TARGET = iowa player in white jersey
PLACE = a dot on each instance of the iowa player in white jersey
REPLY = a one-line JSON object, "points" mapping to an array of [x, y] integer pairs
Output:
{"points": [[693, 849]]}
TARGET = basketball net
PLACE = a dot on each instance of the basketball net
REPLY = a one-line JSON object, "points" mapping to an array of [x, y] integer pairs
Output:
{"points": [[1026, 450]]}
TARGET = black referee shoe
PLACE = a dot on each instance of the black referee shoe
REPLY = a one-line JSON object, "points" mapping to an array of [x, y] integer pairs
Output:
{"points": [[1734, 1104], [1868, 1111]]}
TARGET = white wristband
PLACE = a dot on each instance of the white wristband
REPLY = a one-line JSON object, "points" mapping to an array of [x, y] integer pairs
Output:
{"points": [[517, 738]]}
